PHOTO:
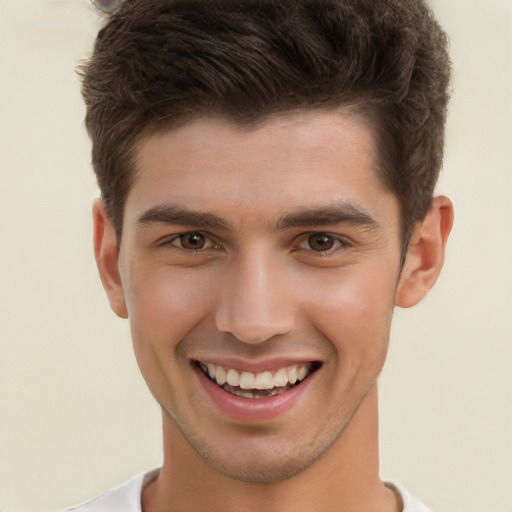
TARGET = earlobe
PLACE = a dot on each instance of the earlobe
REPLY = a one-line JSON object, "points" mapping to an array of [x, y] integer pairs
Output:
{"points": [[106, 251], [425, 255]]}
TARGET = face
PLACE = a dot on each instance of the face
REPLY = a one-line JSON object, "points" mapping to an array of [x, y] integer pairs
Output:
{"points": [[258, 268]]}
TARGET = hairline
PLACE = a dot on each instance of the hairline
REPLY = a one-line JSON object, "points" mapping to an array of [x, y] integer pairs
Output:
{"points": [[360, 110]]}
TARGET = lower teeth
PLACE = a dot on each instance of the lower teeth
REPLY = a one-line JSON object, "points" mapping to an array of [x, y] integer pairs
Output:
{"points": [[259, 393]]}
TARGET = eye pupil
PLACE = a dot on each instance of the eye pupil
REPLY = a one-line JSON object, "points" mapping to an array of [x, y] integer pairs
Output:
{"points": [[321, 242], [192, 241]]}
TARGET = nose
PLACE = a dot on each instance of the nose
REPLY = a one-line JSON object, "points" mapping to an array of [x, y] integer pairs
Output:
{"points": [[254, 305]]}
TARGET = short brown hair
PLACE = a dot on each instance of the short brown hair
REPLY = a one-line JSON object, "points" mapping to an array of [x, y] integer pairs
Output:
{"points": [[161, 62]]}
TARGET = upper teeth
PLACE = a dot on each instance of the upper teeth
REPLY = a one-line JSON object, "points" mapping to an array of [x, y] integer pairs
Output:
{"points": [[263, 380]]}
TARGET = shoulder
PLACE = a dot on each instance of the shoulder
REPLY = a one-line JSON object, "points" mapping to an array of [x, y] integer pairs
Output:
{"points": [[124, 498], [410, 503]]}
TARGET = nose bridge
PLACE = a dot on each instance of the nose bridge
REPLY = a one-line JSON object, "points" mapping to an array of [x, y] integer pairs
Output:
{"points": [[254, 304]]}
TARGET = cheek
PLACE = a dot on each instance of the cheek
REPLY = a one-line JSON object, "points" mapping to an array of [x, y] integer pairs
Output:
{"points": [[165, 303], [354, 312]]}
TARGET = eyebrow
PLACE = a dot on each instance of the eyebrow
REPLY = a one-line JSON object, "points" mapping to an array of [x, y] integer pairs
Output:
{"points": [[345, 213], [173, 214]]}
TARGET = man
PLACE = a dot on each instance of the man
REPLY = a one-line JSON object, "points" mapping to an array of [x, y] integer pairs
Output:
{"points": [[267, 170]]}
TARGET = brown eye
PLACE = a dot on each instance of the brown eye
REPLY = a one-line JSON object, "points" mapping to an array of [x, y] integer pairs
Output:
{"points": [[192, 241], [321, 242]]}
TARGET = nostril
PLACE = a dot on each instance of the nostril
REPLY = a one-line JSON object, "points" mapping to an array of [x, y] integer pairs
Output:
{"points": [[248, 330]]}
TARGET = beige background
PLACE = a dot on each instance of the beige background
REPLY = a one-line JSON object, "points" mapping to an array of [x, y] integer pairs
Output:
{"points": [[76, 418]]}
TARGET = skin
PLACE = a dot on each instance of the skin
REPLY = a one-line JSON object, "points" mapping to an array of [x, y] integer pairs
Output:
{"points": [[260, 289]]}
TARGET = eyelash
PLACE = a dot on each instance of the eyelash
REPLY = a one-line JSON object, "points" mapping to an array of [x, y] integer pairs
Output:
{"points": [[179, 237], [338, 243]]}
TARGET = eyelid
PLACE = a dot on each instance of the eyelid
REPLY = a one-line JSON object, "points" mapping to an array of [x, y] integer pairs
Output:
{"points": [[340, 242], [169, 240], [207, 242]]}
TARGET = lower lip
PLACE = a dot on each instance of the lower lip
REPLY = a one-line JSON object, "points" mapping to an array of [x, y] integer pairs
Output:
{"points": [[248, 410]]}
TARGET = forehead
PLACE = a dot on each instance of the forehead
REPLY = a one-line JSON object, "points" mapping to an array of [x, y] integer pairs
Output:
{"points": [[299, 160]]}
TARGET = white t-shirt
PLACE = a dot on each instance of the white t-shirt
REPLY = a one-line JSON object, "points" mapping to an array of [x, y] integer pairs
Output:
{"points": [[127, 498]]}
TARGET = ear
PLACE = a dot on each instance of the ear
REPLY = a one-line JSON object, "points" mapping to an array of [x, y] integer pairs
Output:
{"points": [[425, 255], [106, 251]]}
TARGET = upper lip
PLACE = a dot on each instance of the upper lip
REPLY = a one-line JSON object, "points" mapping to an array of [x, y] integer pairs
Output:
{"points": [[251, 365]]}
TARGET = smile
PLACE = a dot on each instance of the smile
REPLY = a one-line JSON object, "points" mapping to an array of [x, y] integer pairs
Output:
{"points": [[263, 384]]}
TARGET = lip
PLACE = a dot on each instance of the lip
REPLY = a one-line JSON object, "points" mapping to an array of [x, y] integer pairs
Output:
{"points": [[247, 365], [253, 410]]}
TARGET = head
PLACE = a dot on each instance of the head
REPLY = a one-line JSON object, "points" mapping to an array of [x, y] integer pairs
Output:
{"points": [[263, 166], [161, 63]]}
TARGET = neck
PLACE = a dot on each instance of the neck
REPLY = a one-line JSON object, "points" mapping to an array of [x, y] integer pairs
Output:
{"points": [[345, 478]]}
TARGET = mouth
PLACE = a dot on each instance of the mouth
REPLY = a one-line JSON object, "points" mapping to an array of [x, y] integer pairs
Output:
{"points": [[257, 385]]}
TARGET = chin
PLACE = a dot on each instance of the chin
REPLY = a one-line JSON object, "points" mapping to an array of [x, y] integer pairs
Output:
{"points": [[262, 473], [264, 462]]}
